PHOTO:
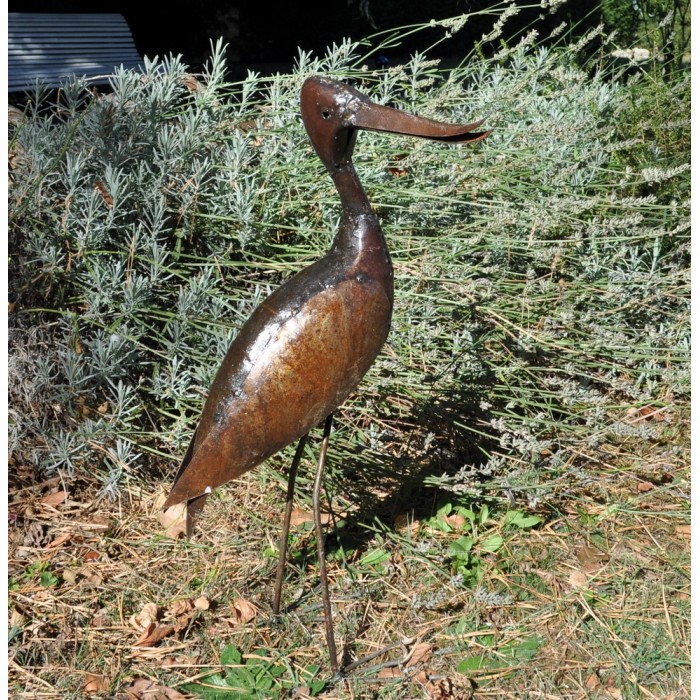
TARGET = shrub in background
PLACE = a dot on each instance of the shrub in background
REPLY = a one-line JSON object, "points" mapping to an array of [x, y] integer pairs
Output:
{"points": [[542, 278]]}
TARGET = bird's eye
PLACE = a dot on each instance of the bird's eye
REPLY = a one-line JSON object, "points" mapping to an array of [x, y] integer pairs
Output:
{"points": [[326, 113]]}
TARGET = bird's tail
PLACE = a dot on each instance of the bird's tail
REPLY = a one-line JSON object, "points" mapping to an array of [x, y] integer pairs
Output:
{"points": [[194, 505]]}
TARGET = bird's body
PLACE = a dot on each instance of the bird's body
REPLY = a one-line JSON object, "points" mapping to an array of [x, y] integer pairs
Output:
{"points": [[299, 355], [308, 345]]}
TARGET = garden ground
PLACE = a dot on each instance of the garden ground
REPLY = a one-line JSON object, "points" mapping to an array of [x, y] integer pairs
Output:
{"points": [[589, 597]]}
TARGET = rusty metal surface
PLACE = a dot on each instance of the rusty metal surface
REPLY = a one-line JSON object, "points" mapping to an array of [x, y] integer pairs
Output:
{"points": [[308, 345]]}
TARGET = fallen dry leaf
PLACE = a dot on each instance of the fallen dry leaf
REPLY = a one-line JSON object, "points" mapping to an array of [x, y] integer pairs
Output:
{"points": [[590, 559], [54, 499], [390, 672], [182, 622], [455, 521], [153, 634], [182, 610], [445, 689], [421, 652], [404, 522], [593, 682], [17, 619], [101, 618], [202, 603], [300, 516], [174, 520], [577, 579], [180, 607], [58, 541], [442, 688], [99, 523], [422, 678], [243, 611], [144, 689], [94, 578], [180, 660], [95, 684], [683, 531], [37, 536], [646, 413], [51, 483], [147, 617]]}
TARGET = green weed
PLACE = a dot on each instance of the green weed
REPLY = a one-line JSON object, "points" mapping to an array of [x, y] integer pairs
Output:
{"points": [[253, 677]]}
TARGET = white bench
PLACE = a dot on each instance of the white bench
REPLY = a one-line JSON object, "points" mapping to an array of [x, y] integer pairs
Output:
{"points": [[54, 47]]}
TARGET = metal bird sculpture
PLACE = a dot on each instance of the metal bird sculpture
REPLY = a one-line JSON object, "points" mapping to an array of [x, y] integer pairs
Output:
{"points": [[307, 346]]}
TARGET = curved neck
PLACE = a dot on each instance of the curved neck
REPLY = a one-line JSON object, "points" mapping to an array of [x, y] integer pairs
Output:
{"points": [[359, 229], [349, 188]]}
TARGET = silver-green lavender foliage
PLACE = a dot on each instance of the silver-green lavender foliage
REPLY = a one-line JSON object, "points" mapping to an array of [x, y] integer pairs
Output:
{"points": [[542, 277]]}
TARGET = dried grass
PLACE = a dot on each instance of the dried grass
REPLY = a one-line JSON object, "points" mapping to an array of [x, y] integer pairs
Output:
{"points": [[603, 585]]}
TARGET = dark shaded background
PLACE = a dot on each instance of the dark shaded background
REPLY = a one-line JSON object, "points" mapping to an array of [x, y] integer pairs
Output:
{"points": [[264, 35]]}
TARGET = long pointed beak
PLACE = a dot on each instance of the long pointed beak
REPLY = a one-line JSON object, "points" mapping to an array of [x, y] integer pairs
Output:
{"points": [[374, 117]]}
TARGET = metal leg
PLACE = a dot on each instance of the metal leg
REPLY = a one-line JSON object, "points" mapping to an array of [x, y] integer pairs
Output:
{"points": [[321, 540], [284, 538]]}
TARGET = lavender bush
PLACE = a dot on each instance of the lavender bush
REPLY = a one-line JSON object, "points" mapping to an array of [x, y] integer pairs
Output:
{"points": [[542, 277]]}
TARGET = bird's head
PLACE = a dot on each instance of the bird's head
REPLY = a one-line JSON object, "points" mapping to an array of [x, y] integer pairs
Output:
{"points": [[332, 113]]}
